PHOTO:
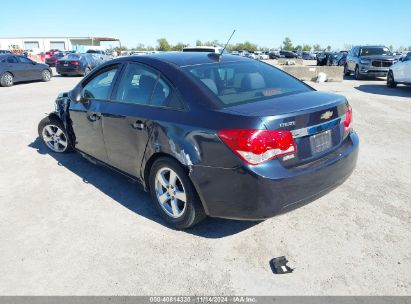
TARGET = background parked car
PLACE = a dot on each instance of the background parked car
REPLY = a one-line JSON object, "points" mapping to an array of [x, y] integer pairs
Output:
{"points": [[367, 60], [340, 59], [400, 72], [206, 49], [5, 52], [16, 68], [251, 55], [325, 58], [51, 52], [51, 61], [288, 54], [76, 64]]}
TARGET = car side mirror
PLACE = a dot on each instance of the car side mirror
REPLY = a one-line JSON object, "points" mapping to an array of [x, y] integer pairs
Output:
{"points": [[75, 95], [34, 62]]}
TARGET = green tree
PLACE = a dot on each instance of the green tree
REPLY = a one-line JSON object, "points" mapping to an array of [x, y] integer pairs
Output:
{"points": [[199, 43], [178, 47], [328, 47], [391, 48], [163, 45], [298, 48], [317, 47], [287, 44], [244, 46], [140, 47], [120, 48], [306, 47]]}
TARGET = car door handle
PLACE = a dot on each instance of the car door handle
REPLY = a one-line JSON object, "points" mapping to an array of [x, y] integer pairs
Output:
{"points": [[138, 125], [94, 117]]}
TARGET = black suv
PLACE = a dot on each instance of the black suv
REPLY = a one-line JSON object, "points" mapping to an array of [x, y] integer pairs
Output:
{"points": [[368, 61]]}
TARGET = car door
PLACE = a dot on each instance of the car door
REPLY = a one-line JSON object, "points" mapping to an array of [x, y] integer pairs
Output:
{"points": [[351, 59], [86, 114], [126, 126], [12, 65], [29, 69]]}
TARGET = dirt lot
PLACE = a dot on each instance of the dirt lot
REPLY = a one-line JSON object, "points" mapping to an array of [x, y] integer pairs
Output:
{"points": [[69, 227]]}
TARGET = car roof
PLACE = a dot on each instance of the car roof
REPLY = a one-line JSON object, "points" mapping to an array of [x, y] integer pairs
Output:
{"points": [[186, 58]]}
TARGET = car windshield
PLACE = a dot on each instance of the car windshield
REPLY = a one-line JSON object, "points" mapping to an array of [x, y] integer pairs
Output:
{"points": [[59, 55], [235, 83], [375, 51]]}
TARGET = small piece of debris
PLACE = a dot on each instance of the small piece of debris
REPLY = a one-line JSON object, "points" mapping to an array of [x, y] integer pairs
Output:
{"points": [[279, 265]]}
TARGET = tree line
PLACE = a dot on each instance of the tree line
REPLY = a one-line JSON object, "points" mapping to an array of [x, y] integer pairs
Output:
{"points": [[287, 45]]}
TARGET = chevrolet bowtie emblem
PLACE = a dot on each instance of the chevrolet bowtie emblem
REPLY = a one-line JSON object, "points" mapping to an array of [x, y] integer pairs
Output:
{"points": [[327, 115]]}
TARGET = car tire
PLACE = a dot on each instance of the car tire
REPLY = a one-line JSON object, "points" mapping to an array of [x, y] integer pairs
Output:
{"points": [[54, 136], [390, 80], [357, 74], [6, 80], [169, 185], [346, 70], [45, 75]]}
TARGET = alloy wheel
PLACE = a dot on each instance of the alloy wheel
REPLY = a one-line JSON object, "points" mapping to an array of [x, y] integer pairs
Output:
{"points": [[8, 79], [46, 75], [55, 138], [170, 192]]}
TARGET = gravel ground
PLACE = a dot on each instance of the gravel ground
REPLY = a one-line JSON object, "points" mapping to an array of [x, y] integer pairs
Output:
{"points": [[69, 227]]}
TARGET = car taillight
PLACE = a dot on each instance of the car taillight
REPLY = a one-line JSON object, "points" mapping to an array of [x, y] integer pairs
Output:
{"points": [[348, 120], [258, 146], [75, 63]]}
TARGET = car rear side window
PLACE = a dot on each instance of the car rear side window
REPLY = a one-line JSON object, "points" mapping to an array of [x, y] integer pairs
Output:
{"points": [[12, 59], [141, 85], [235, 83], [100, 86]]}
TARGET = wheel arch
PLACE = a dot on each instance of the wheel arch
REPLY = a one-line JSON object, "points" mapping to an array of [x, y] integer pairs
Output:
{"points": [[149, 163], [7, 71]]}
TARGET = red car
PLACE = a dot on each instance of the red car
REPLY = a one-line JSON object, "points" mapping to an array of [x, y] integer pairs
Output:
{"points": [[51, 52], [51, 61]]}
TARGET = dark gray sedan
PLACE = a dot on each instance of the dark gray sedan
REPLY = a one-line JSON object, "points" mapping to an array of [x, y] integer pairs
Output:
{"points": [[15, 68]]}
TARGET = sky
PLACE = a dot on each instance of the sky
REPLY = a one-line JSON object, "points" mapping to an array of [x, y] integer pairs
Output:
{"points": [[264, 22]]}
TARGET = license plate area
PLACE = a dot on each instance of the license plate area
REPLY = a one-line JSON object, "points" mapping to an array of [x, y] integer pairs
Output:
{"points": [[320, 142]]}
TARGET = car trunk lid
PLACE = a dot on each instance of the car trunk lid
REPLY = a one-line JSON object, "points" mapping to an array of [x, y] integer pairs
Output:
{"points": [[315, 119]]}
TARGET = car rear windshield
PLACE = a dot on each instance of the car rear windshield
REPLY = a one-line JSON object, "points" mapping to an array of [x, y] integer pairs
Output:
{"points": [[235, 83], [72, 57], [375, 51]]}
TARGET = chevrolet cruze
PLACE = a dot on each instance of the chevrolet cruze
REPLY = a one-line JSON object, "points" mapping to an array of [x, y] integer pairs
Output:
{"points": [[208, 135]]}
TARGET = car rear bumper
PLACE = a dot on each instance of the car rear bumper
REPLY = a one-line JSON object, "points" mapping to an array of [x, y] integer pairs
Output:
{"points": [[69, 71], [245, 193]]}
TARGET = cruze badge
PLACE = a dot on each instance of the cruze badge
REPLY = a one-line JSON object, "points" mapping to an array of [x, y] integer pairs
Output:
{"points": [[327, 115]]}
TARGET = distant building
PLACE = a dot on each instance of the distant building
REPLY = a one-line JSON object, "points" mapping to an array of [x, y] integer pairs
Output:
{"points": [[44, 44]]}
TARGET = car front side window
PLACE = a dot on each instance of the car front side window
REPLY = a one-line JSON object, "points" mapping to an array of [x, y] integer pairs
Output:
{"points": [[24, 60], [100, 86]]}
